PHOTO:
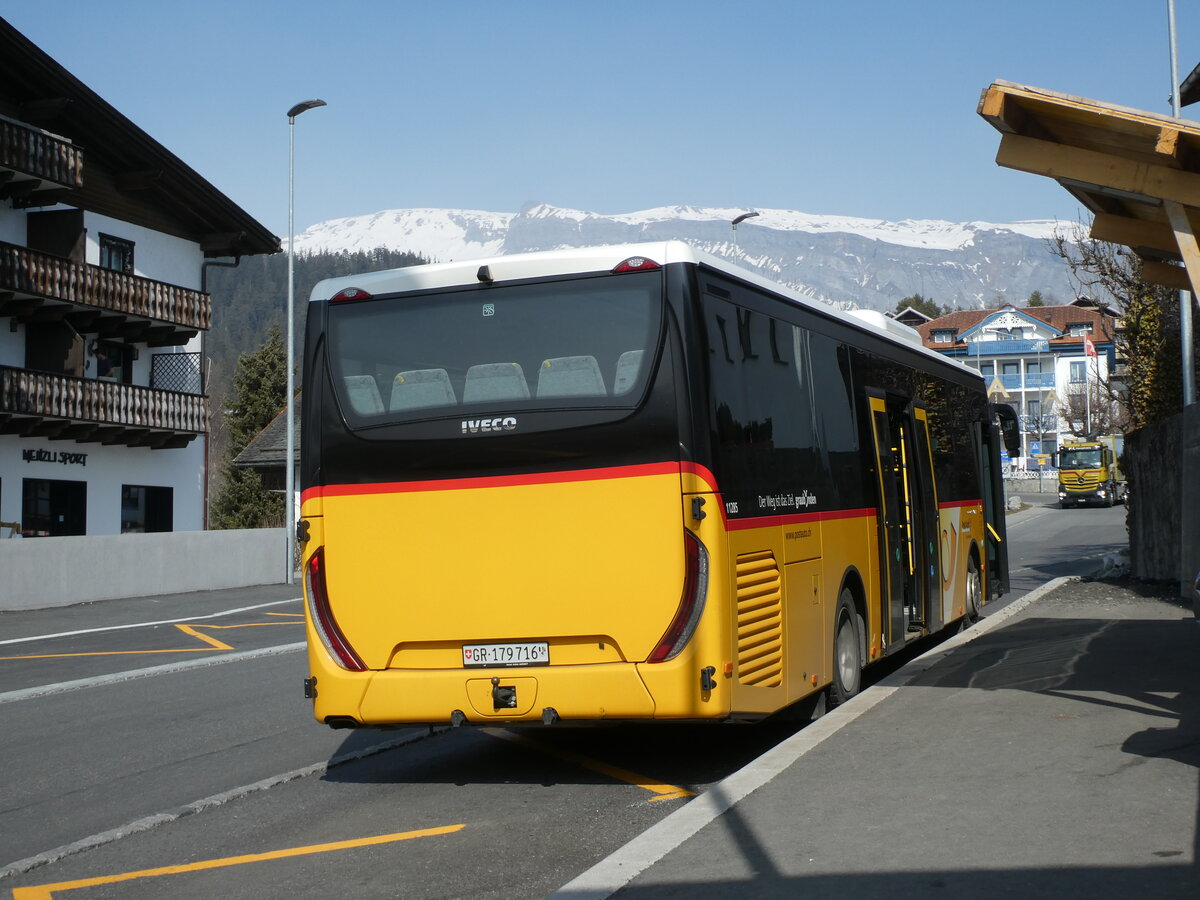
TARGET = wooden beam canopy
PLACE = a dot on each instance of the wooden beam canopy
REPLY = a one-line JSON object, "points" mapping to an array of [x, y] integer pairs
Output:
{"points": [[1137, 172]]}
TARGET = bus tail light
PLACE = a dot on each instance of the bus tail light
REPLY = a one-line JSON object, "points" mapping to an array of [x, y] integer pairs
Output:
{"points": [[691, 604], [319, 611], [350, 293], [635, 264]]}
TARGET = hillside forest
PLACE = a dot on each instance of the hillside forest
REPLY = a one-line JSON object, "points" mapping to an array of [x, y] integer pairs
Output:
{"points": [[249, 317]]}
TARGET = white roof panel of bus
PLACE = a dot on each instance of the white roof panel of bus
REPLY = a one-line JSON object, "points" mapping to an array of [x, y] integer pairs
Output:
{"points": [[549, 263]]}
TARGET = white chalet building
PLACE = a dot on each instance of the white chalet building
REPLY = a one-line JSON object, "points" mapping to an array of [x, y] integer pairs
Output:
{"points": [[103, 240]]}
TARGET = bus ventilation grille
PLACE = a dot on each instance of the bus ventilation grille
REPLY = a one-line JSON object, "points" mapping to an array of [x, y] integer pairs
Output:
{"points": [[759, 620]]}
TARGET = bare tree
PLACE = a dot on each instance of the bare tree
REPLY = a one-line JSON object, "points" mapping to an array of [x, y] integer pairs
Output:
{"points": [[1093, 408], [1151, 388]]}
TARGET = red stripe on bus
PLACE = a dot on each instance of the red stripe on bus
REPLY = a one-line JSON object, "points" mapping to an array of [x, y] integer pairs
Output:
{"points": [[958, 504], [460, 484], [701, 472]]}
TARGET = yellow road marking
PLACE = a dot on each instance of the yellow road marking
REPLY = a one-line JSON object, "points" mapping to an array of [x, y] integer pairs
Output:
{"points": [[218, 645], [664, 791], [213, 643], [47, 891]]}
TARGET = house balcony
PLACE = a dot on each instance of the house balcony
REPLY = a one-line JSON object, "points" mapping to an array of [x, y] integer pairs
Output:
{"points": [[977, 349], [33, 160], [86, 410], [1031, 382], [39, 286]]}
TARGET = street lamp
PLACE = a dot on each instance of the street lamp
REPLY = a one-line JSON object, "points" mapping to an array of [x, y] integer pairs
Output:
{"points": [[289, 523], [742, 218]]}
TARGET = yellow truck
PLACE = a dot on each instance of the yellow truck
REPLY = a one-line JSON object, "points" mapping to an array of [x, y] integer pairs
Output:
{"points": [[1089, 471]]}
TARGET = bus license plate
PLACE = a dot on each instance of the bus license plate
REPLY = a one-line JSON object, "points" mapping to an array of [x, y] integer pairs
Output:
{"points": [[531, 654]]}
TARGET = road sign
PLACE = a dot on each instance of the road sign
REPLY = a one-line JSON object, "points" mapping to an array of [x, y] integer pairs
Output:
{"points": [[1035, 447]]}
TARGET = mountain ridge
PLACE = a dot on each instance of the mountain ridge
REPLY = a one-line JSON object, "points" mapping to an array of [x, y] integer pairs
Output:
{"points": [[846, 261]]}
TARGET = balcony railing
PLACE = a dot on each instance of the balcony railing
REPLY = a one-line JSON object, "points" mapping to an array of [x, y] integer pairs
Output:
{"points": [[1031, 382], [31, 273], [39, 156], [1006, 348], [62, 406]]}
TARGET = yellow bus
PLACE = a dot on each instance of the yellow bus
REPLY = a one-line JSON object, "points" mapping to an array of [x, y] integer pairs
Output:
{"points": [[626, 483]]}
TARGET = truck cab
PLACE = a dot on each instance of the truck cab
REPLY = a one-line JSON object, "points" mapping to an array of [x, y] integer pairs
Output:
{"points": [[1089, 472]]}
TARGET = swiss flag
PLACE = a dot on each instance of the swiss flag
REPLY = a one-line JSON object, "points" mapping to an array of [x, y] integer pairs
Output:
{"points": [[1089, 348]]}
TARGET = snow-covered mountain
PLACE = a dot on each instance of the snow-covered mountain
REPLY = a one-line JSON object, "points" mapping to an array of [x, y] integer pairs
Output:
{"points": [[850, 262]]}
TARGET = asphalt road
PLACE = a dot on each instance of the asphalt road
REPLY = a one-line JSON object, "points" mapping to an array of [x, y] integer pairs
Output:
{"points": [[207, 758]]}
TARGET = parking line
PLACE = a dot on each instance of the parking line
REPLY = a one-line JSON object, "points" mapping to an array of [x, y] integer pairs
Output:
{"points": [[212, 642], [661, 789], [47, 891], [216, 615], [62, 687]]}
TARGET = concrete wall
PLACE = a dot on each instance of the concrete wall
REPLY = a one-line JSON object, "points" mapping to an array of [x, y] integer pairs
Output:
{"points": [[1161, 462], [59, 571]]}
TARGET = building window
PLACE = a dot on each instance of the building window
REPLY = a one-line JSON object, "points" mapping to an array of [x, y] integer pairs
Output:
{"points": [[116, 254], [986, 369], [1079, 329], [114, 361], [943, 337], [1078, 371], [145, 508], [51, 508]]}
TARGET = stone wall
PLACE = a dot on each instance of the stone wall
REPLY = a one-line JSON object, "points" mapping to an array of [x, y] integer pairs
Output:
{"points": [[60, 571], [1162, 463]]}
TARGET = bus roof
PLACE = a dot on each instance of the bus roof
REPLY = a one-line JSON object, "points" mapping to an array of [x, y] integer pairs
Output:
{"points": [[583, 260]]}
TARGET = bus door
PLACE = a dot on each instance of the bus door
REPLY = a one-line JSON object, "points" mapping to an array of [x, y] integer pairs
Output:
{"points": [[906, 533], [994, 438]]}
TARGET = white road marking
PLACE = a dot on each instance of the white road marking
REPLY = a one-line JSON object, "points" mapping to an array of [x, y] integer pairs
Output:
{"points": [[62, 687], [217, 615]]}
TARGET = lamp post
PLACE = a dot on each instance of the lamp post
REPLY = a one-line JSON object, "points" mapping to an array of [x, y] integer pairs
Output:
{"points": [[742, 218], [289, 524]]}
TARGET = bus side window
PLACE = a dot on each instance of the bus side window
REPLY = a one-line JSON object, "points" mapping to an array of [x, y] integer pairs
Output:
{"points": [[364, 395], [495, 381]]}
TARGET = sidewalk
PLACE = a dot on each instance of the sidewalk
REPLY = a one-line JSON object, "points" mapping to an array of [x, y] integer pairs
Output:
{"points": [[1055, 752]]}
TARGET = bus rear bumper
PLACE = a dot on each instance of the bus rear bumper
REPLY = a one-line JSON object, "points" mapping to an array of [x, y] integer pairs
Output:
{"points": [[527, 696], [469, 696]]}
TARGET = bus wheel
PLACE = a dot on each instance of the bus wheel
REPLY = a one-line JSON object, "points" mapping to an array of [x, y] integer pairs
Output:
{"points": [[847, 652], [974, 591]]}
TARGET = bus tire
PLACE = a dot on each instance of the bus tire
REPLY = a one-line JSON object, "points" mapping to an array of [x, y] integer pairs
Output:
{"points": [[847, 651], [974, 599]]}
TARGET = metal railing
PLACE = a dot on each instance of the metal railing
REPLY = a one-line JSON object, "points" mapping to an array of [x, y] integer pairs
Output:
{"points": [[38, 274], [177, 372]]}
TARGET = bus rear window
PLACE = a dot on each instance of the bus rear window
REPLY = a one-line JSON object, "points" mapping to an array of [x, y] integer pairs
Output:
{"points": [[573, 344]]}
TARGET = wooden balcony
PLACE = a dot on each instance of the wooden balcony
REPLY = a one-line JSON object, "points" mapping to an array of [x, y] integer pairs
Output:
{"points": [[33, 160], [41, 286], [62, 407]]}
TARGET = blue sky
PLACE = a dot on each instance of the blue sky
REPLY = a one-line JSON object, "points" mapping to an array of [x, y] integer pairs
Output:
{"points": [[840, 107]]}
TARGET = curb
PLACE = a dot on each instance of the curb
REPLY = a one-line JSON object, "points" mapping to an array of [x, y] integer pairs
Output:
{"points": [[615, 871]]}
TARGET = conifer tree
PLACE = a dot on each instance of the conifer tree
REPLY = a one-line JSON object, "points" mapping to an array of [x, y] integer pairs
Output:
{"points": [[259, 393], [921, 304]]}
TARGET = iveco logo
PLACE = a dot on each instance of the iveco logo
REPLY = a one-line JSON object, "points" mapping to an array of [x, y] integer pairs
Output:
{"points": [[475, 426]]}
